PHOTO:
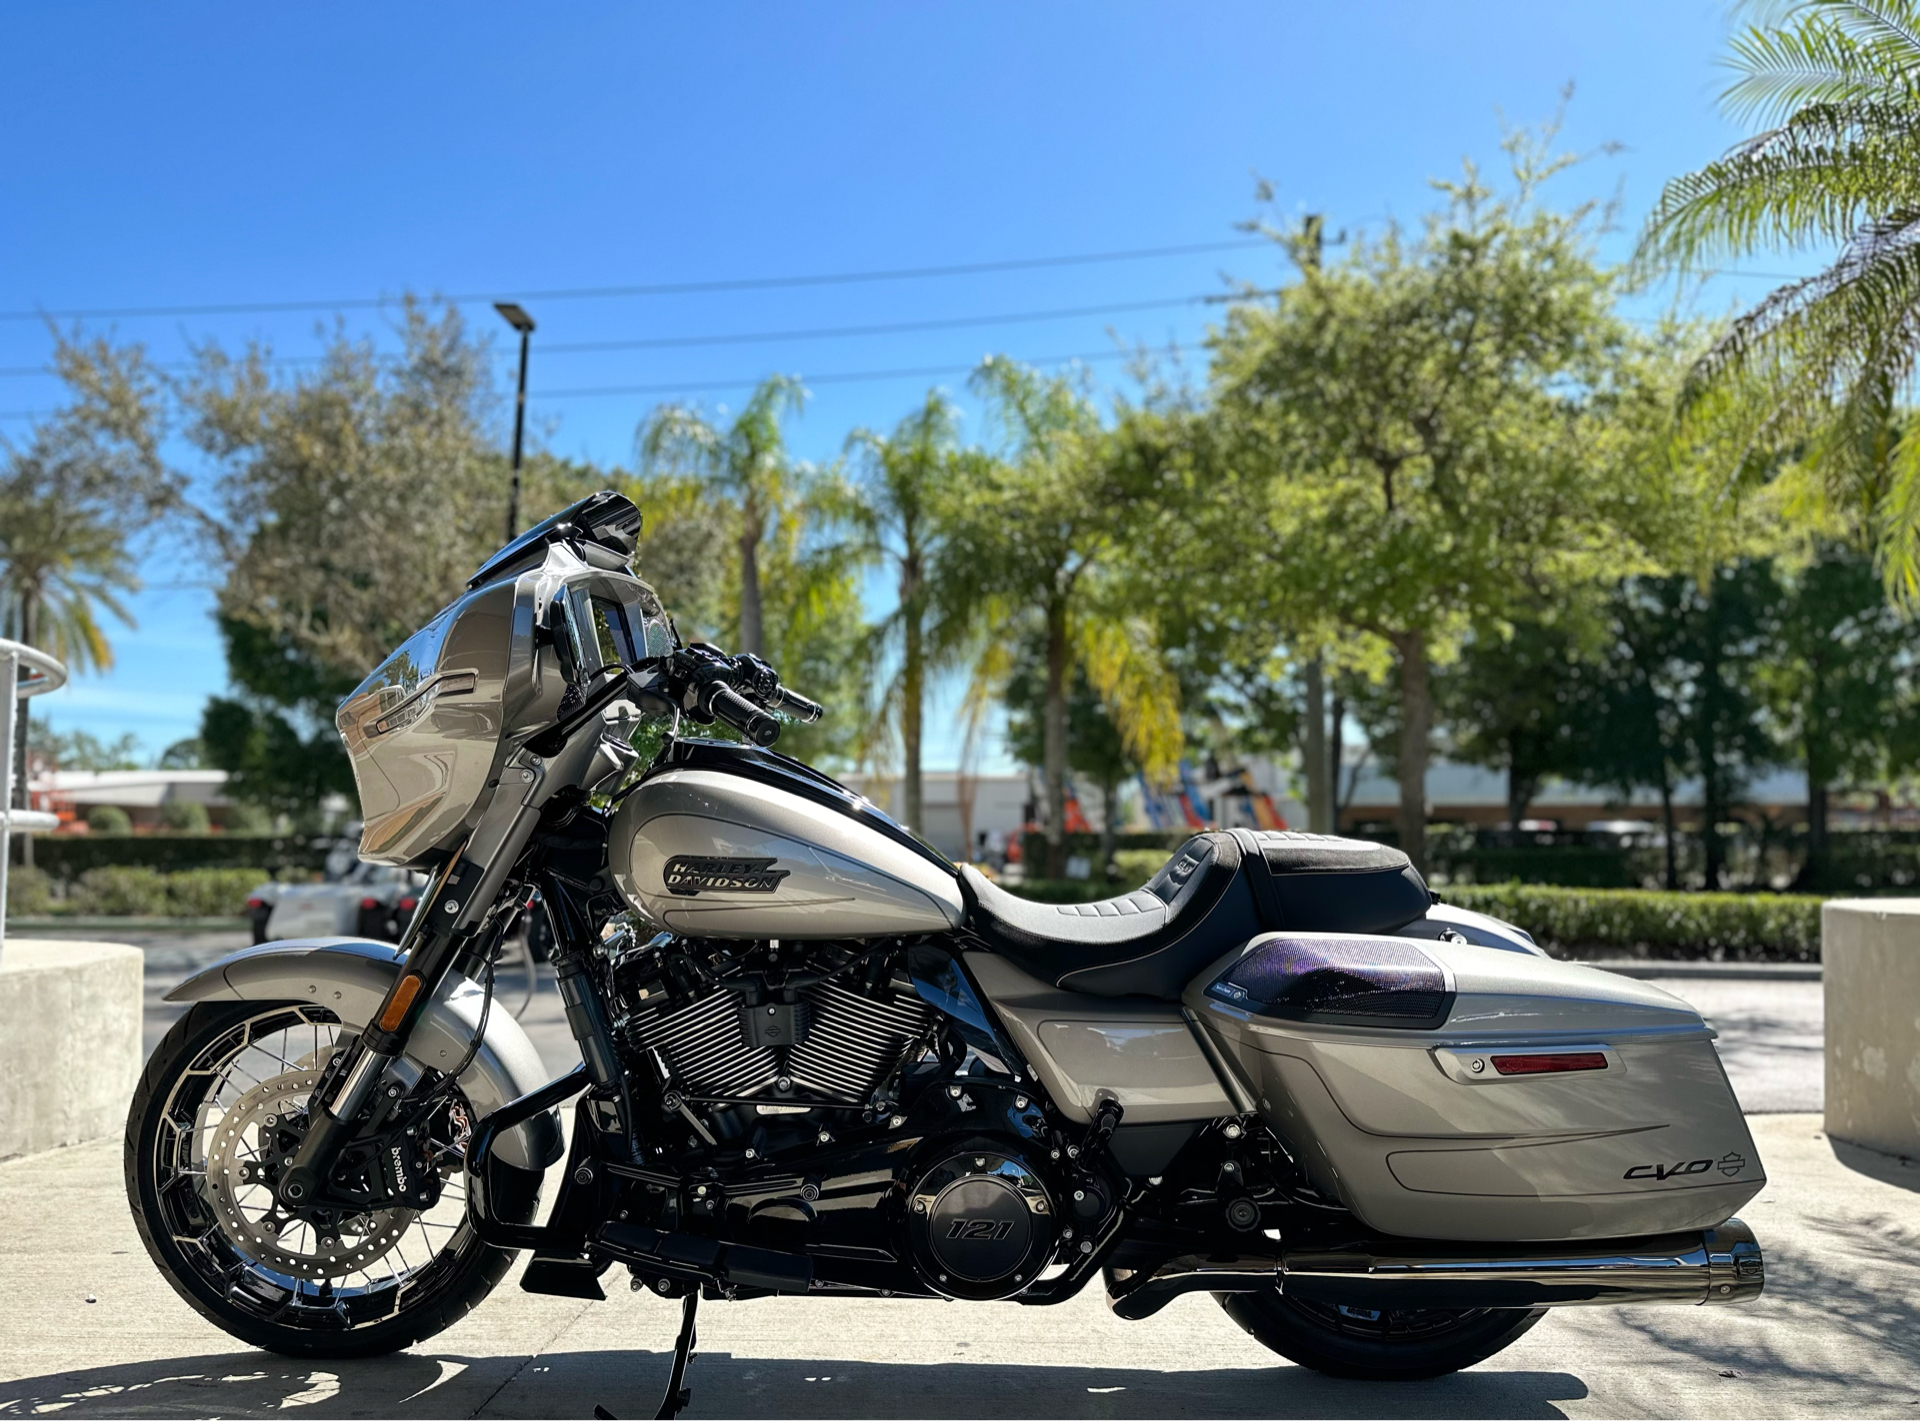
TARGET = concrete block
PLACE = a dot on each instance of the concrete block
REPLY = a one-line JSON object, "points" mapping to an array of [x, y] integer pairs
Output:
{"points": [[69, 1041], [1870, 954]]}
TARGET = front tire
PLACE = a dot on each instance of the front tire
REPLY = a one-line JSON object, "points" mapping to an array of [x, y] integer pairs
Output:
{"points": [[283, 1293], [1368, 1345]]}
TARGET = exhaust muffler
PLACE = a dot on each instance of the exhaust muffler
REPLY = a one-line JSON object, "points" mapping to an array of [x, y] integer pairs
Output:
{"points": [[1718, 1265]]}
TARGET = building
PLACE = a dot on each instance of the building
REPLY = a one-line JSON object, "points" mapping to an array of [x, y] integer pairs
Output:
{"points": [[959, 809], [141, 793]]}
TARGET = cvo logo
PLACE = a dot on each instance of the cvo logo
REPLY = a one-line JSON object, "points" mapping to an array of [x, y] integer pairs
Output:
{"points": [[981, 1230], [1668, 1171]]}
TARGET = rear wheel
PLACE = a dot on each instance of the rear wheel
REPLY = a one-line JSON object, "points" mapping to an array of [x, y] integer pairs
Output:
{"points": [[344, 1283], [1376, 1345]]}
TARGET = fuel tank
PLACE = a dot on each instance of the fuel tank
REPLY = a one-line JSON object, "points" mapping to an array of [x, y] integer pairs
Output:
{"points": [[723, 840]]}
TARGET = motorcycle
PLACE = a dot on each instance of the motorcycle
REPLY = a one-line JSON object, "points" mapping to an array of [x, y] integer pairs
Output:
{"points": [[819, 1060]]}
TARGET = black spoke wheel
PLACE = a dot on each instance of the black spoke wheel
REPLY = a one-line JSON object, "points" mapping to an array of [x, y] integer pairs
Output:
{"points": [[1368, 1344], [354, 1283]]}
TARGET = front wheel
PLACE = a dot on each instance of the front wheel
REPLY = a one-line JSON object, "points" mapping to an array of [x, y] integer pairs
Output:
{"points": [[1376, 1345], [213, 1101]]}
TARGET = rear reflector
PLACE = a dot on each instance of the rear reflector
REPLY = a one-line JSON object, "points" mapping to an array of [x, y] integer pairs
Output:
{"points": [[256, 902], [1550, 1063]]}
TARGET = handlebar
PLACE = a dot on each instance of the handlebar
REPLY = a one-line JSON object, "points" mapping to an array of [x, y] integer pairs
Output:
{"points": [[700, 680], [726, 704]]}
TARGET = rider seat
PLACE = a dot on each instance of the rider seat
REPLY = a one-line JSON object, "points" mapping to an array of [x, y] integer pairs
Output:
{"points": [[1217, 891]]}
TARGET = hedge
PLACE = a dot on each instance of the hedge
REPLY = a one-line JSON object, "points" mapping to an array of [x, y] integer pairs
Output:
{"points": [[67, 857], [124, 892], [1714, 927]]}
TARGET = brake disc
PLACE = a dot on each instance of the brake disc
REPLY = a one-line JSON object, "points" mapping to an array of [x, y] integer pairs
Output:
{"points": [[242, 1164]]}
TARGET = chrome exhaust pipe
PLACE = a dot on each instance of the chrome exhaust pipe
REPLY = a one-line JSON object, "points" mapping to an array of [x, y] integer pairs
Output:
{"points": [[1719, 1265]]}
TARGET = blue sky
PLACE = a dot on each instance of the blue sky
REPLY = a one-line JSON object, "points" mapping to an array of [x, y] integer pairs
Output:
{"points": [[195, 155]]}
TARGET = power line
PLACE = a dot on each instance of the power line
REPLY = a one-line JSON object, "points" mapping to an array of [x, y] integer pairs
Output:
{"points": [[680, 288], [754, 337], [846, 377]]}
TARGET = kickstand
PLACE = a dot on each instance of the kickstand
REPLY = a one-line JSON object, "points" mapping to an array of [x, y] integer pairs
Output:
{"points": [[678, 1396]]}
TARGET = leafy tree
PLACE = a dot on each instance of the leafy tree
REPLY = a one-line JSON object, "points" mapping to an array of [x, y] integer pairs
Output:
{"points": [[1675, 693], [1510, 703], [1438, 431], [1042, 532], [1824, 360], [1839, 682], [897, 509], [184, 755], [109, 819], [78, 500], [81, 750]]}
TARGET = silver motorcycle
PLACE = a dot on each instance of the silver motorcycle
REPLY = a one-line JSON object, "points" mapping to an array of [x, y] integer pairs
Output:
{"points": [[820, 1060]]}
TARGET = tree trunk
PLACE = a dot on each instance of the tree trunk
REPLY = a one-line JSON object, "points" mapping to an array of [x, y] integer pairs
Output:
{"points": [[1416, 725], [1666, 824], [751, 641], [1816, 830], [1109, 820], [1336, 745], [1055, 730], [913, 688], [1314, 748], [1520, 791]]}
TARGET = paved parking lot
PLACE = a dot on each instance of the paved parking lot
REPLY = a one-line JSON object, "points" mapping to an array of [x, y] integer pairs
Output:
{"points": [[88, 1329]]}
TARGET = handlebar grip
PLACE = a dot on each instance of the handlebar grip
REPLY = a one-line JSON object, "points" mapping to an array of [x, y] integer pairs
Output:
{"points": [[798, 706], [737, 711]]}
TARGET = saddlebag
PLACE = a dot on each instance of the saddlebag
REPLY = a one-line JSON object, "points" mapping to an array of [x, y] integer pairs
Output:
{"points": [[1444, 1090]]}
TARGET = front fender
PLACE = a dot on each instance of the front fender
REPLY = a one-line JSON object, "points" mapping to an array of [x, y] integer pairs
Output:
{"points": [[350, 977]]}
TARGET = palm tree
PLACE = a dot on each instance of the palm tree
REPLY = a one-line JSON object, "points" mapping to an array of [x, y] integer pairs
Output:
{"points": [[897, 509], [1042, 533], [75, 500], [747, 464], [1823, 362]]}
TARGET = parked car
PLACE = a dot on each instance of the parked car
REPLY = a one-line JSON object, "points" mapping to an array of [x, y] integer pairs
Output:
{"points": [[355, 900]]}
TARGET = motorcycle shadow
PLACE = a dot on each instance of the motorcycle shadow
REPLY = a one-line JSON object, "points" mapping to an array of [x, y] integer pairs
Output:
{"points": [[567, 1384]]}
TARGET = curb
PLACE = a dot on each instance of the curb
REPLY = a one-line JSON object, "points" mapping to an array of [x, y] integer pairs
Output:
{"points": [[77, 924], [1718, 971]]}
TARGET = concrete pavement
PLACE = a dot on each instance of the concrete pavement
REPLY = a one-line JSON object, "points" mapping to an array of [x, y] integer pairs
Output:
{"points": [[88, 1329]]}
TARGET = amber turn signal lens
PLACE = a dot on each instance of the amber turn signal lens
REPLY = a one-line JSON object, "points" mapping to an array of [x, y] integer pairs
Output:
{"points": [[404, 991], [1550, 1064]]}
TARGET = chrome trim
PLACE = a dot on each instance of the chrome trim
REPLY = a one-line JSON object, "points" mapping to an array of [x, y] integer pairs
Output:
{"points": [[1719, 1265]]}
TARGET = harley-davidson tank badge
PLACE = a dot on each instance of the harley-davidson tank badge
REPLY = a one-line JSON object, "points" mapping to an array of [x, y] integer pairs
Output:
{"points": [[692, 874]]}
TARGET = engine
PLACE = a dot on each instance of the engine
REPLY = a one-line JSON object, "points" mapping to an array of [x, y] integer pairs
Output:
{"points": [[817, 1094], [799, 1026]]}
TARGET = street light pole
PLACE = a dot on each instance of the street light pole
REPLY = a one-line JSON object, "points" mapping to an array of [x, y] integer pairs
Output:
{"points": [[523, 323]]}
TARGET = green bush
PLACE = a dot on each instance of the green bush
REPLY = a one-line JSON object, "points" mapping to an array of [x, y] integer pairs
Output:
{"points": [[109, 819], [210, 892], [121, 892], [184, 816], [1715, 927], [1136, 866], [1063, 890], [29, 891]]}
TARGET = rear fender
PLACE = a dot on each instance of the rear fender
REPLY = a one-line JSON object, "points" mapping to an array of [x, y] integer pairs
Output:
{"points": [[350, 977]]}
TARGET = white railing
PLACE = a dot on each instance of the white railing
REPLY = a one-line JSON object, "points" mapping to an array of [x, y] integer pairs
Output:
{"points": [[43, 674]]}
